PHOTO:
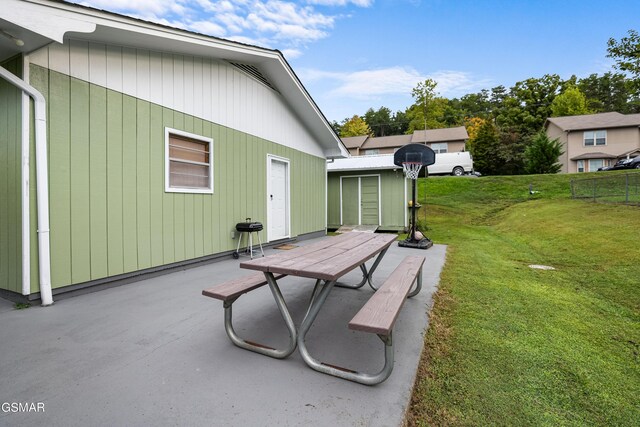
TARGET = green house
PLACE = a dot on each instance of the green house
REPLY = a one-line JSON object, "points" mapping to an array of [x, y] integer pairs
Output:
{"points": [[128, 147], [367, 190]]}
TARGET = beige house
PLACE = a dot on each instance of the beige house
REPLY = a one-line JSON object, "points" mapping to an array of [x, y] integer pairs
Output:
{"points": [[592, 141], [449, 140]]}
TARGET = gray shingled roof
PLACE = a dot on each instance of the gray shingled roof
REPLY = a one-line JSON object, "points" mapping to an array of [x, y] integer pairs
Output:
{"points": [[595, 121], [432, 135], [354, 141], [440, 135], [387, 141]]}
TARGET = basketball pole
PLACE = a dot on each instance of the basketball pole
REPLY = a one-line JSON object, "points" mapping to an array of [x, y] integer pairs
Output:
{"points": [[413, 210]]}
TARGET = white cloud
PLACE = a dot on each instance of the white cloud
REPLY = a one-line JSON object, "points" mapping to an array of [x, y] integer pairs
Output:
{"points": [[283, 24], [291, 53], [458, 83], [372, 84], [208, 27], [142, 7], [360, 3]]}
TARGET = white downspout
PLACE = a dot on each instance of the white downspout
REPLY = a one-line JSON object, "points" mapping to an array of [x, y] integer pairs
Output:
{"points": [[42, 185], [26, 217]]}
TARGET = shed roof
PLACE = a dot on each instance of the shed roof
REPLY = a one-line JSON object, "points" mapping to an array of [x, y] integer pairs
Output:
{"points": [[440, 135], [382, 161], [595, 121], [40, 22]]}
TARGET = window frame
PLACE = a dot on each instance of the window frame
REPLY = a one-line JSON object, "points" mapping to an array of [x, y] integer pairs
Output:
{"points": [[592, 161], [372, 152], [440, 145], [199, 138], [580, 166], [594, 138]]}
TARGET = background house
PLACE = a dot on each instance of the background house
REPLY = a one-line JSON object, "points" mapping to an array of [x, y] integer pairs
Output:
{"points": [[158, 141], [594, 140], [448, 140], [353, 143]]}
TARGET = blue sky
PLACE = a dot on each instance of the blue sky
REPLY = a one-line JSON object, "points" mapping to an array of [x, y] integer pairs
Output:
{"points": [[356, 54]]}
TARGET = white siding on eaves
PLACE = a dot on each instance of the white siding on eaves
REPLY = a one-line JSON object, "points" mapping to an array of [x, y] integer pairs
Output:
{"points": [[210, 89]]}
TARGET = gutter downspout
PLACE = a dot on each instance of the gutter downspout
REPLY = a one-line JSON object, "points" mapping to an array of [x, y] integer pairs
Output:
{"points": [[42, 184], [25, 175]]}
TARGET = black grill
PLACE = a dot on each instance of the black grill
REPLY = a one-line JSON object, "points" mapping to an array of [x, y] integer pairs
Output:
{"points": [[249, 226]]}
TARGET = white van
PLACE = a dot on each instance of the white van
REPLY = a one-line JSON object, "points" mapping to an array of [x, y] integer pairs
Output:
{"points": [[452, 163]]}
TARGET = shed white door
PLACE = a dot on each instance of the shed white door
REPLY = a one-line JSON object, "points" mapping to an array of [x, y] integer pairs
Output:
{"points": [[278, 198]]}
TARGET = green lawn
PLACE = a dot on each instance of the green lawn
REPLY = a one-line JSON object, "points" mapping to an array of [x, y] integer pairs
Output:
{"points": [[510, 345]]}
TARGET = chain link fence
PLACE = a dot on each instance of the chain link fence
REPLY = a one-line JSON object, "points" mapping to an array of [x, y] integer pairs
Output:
{"points": [[618, 188]]}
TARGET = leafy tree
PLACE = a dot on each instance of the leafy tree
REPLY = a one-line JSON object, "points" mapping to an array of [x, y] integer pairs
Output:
{"points": [[399, 123], [379, 121], [529, 104], [337, 127], [510, 153], [609, 92], [542, 155], [497, 98], [355, 126], [436, 115], [427, 110], [475, 104], [626, 53], [484, 149], [571, 102], [473, 125]]}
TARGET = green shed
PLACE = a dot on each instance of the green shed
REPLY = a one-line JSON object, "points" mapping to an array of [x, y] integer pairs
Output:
{"points": [[367, 190], [128, 147]]}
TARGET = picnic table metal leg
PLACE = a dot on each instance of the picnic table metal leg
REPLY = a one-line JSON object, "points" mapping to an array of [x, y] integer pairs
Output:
{"points": [[260, 348], [367, 275], [336, 371], [373, 268], [418, 285]]}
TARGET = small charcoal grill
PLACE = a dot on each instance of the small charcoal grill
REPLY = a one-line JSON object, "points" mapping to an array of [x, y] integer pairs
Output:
{"points": [[248, 227]]}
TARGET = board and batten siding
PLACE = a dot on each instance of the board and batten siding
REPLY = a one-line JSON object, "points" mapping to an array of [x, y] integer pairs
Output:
{"points": [[392, 190], [10, 180], [206, 88], [109, 212]]}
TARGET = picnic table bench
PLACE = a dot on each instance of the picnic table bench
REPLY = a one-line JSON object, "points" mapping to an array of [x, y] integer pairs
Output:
{"points": [[327, 261]]}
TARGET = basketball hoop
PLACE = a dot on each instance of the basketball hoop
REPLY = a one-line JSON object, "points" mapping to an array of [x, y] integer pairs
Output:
{"points": [[411, 169]]}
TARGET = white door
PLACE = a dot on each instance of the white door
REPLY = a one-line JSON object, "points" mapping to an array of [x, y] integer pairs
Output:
{"points": [[278, 199]]}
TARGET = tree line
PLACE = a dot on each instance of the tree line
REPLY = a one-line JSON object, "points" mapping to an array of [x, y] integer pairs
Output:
{"points": [[505, 125]]}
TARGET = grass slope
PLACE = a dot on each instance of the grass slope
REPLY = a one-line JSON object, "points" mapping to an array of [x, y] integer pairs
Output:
{"points": [[509, 345]]}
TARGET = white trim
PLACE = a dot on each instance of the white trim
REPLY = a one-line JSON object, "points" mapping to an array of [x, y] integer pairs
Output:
{"points": [[26, 220], [167, 187], [359, 200], [341, 222], [379, 201], [360, 197], [287, 162], [326, 195]]}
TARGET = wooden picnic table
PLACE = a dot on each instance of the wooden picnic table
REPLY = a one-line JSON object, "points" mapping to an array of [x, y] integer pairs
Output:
{"points": [[325, 261], [328, 259]]}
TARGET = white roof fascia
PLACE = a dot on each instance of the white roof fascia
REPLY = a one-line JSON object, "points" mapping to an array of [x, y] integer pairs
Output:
{"points": [[358, 163]]}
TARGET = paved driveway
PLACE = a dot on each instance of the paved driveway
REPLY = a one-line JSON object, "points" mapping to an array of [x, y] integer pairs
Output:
{"points": [[155, 353]]}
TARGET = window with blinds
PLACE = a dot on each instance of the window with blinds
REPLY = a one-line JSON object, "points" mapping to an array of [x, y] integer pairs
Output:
{"points": [[188, 162]]}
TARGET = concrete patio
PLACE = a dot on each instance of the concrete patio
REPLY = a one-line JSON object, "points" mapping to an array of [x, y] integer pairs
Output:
{"points": [[155, 352]]}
